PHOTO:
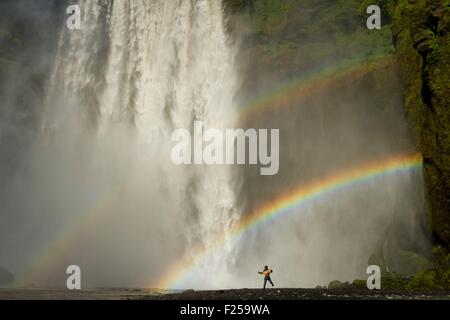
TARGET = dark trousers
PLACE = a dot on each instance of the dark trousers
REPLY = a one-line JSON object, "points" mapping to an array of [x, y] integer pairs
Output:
{"points": [[265, 281]]}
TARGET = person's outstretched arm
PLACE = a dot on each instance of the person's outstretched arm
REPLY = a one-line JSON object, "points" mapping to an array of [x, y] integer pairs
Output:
{"points": [[260, 272]]}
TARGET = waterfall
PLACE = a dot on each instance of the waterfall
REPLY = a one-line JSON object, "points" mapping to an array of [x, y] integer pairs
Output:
{"points": [[134, 72]]}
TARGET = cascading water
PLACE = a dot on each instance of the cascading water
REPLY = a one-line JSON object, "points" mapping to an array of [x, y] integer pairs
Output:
{"points": [[134, 72]]}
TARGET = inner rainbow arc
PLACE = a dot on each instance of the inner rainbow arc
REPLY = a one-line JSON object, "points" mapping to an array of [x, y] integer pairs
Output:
{"points": [[284, 203]]}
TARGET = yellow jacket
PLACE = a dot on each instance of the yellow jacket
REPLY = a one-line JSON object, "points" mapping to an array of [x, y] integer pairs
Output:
{"points": [[267, 272]]}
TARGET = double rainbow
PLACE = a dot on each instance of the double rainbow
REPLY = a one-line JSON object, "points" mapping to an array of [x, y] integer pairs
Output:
{"points": [[281, 96]]}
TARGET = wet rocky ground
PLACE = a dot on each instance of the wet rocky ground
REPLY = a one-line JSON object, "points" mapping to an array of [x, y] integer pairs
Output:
{"points": [[234, 294], [92, 294], [302, 294]]}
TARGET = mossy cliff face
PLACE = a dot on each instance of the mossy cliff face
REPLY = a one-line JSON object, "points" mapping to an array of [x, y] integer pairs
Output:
{"points": [[422, 40], [285, 38]]}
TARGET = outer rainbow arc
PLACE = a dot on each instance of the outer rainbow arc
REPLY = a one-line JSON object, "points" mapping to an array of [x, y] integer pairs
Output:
{"points": [[303, 87], [64, 237]]}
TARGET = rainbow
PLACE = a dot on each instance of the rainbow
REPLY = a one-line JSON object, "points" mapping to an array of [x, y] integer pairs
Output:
{"points": [[314, 83], [285, 203], [281, 96], [97, 208]]}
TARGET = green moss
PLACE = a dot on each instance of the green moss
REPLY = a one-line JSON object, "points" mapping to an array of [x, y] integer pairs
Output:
{"points": [[422, 43], [437, 278], [306, 34], [393, 281], [425, 280], [359, 284], [271, 16], [411, 262], [442, 265], [336, 284], [4, 34]]}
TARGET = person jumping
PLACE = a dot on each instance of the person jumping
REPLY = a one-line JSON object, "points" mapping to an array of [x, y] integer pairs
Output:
{"points": [[266, 272]]}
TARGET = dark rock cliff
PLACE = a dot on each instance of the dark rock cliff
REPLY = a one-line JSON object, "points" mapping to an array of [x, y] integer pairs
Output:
{"points": [[422, 40]]}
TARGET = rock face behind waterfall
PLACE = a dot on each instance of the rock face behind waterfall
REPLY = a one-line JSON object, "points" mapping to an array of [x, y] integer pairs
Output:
{"points": [[422, 39]]}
